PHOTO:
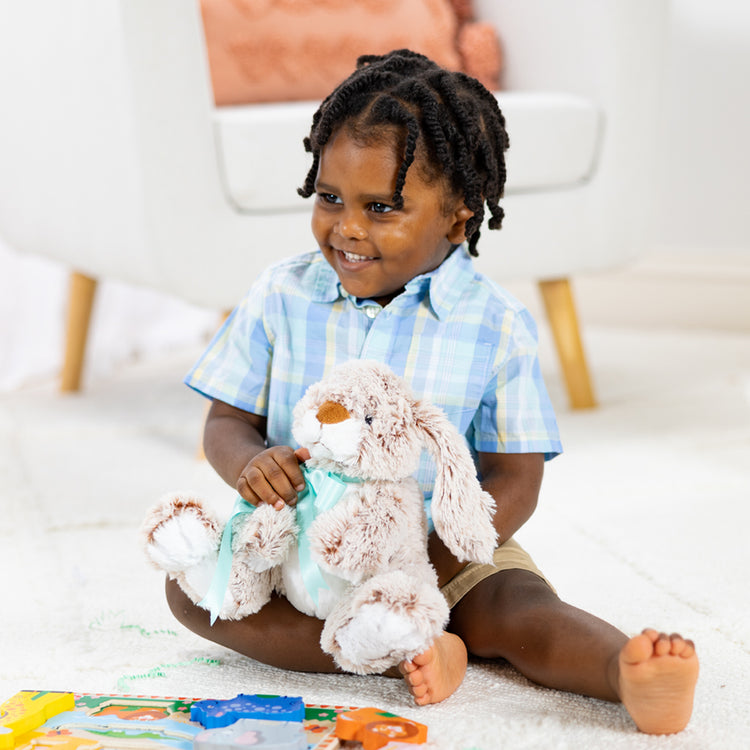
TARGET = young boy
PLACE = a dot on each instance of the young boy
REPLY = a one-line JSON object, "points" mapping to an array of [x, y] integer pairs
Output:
{"points": [[405, 157]]}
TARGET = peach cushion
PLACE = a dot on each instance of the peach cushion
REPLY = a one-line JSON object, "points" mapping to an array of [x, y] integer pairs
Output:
{"points": [[281, 50], [481, 55]]}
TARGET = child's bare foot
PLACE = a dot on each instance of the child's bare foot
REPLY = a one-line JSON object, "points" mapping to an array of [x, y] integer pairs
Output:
{"points": [[436, 673], [657, 680]]}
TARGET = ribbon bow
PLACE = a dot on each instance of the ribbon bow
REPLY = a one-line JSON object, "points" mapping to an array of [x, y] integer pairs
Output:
{"points": [[323, 489]]}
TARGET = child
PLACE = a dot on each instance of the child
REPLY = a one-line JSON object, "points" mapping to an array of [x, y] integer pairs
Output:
{"points": [[405, 157]]}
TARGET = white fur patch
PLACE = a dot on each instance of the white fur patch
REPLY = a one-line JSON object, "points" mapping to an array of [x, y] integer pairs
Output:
{"points": [[375, 631], [334, 442], [181, 542], [199, 579], [300, 597], [307, 429], [341, 440]]}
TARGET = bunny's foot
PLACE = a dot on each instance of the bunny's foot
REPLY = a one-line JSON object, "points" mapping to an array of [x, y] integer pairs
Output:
{"points": [[182, 538], [389, 619]]}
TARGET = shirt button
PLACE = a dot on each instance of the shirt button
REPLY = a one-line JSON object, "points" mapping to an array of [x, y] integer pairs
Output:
{"points": [[371, 311]]}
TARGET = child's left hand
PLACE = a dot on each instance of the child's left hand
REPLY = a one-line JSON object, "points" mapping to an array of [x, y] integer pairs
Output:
{"points": [[273, 477]]}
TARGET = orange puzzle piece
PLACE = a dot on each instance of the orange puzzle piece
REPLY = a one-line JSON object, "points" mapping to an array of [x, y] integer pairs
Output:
{"points": [[28, 710], [375, 728]]}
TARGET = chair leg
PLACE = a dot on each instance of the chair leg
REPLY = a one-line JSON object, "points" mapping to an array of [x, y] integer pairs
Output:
{"points": [[80, 302], [557, 295]]}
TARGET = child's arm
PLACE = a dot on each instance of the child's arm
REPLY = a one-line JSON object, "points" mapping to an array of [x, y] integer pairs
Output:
{"points": [[514, 480], [234, 443]]}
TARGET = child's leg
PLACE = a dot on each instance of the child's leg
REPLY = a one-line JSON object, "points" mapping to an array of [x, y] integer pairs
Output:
{"points": [[279, 634], [514, 615]]}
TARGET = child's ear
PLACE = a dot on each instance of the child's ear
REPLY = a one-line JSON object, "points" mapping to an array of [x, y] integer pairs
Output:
{"points": [[457, 232]]}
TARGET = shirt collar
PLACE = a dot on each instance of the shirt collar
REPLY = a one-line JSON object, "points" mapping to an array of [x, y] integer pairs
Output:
{"points": [[443, 286], [446, 283]]}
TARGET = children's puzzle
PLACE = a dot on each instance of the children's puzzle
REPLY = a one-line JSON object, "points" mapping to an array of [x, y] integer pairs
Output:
{"points": [[212, 713], [374, 728], [38, 720]]}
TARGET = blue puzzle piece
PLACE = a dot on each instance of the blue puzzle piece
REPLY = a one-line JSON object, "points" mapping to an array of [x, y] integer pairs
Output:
{"points": [[217, 713], [255, 733]]}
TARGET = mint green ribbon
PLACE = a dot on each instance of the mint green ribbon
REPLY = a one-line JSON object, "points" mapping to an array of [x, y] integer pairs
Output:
{"points": [[323, 489]]}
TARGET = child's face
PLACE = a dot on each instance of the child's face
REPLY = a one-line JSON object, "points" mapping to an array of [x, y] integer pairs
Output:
{"points": [[375, 248]]}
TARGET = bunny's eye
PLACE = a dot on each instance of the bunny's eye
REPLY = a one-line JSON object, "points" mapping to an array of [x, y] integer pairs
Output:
{"points": [[368, 419]]}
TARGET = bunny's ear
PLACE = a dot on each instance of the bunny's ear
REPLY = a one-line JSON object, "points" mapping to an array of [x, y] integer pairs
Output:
{"points": [[461, 510]]}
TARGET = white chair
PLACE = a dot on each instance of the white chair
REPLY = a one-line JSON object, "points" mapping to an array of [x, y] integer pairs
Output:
{"points": [[115, 161]]}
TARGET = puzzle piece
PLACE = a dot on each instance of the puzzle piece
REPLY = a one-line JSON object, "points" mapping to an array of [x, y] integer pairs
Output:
{"points": [[375, 728], [255, 733], [217, 713], [28, 710]]}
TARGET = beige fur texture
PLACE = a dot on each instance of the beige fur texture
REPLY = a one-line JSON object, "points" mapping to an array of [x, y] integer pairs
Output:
{"points": [[382, 603]]}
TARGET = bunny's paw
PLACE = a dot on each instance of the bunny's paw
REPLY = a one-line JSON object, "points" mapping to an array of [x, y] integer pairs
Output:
{"points": [[262, 539]]}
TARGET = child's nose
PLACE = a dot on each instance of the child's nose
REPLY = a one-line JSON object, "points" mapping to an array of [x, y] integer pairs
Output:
{"points": [[350, 227]]}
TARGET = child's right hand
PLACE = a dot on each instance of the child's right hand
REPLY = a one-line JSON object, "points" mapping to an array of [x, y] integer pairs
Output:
{"points": [[273, 476]]}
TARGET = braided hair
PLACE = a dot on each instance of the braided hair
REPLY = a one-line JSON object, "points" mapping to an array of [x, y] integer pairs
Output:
{"points": [[448, 117]]}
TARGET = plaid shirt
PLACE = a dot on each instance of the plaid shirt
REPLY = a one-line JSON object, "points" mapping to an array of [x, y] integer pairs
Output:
{"points": [[459, 340]]}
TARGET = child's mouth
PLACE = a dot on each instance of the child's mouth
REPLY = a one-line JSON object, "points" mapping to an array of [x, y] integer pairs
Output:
{"points": [[354, 258]]}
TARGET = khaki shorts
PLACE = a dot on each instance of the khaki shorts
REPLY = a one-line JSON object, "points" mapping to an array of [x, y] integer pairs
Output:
{"points": [[508, 556]]}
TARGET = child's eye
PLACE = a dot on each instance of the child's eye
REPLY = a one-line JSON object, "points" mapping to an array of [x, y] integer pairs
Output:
{"points": [[380, 208], [329, 198]]}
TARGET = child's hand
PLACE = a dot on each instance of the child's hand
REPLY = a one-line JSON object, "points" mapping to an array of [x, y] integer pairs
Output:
{"points": [[273, 476]]}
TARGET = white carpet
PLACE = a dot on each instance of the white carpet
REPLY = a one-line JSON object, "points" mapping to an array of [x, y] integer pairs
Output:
{"points": [[642, 521]]}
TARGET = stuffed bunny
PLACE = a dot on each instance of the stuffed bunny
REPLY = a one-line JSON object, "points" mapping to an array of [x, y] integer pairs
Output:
{"points": [[353, 551]]}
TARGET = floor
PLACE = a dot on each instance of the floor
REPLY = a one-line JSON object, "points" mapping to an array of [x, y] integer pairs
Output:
{"points": [[643, 520]]}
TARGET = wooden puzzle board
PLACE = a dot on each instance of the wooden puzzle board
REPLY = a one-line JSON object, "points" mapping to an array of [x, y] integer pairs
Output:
{"points": [[121, 722]]}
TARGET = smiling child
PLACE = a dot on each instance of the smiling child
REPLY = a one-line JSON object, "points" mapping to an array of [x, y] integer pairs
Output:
{"points": [[406, 159]]}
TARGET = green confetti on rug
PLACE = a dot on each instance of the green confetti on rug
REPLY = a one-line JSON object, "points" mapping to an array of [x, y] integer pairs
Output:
{"points": [[108, 620], [161, 671]]}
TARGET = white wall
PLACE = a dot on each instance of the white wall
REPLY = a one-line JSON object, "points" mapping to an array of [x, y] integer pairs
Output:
{"points": [[705, 152]]}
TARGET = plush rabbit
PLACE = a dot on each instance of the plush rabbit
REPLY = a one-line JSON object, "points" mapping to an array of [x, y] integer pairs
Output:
{"points": [[353, 551]]}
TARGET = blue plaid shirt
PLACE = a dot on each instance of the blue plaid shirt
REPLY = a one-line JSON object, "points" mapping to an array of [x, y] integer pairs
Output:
{"points": [[459, 340]]}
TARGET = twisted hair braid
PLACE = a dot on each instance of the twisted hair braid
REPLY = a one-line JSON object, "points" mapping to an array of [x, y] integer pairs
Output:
{"points": [[451, 117]]}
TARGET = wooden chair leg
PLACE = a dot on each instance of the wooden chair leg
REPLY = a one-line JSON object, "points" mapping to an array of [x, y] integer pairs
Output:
{"points": [[80, 303], [557, 295]]}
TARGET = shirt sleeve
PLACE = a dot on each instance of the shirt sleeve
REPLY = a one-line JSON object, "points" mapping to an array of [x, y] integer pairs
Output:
{"points": [[515, 414], [236, 364]]}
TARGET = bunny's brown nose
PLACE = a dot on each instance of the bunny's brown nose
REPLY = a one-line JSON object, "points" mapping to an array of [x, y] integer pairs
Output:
{"points": [[332, 413]]}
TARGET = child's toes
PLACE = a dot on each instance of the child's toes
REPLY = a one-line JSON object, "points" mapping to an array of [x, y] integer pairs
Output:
{"points": [[415, 679], [663, 645], [406, 667], [688, 652], [651, 634], [681, 646], [422, 700], [639, 648]]}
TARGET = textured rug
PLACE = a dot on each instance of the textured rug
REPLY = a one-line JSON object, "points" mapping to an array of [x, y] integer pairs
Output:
{"points": [[642, 521]]}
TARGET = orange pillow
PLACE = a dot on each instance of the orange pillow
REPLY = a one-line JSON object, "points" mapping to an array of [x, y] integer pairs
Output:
{"points": [[281, 50]]}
